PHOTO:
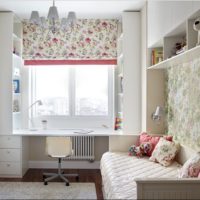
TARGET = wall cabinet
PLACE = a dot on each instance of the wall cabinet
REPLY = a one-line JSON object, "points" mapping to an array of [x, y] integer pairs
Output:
{"points": [[164, 16], [13, 149]]}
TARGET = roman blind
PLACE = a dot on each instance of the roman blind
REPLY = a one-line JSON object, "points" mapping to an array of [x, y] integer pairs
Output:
{"points": [[90, 41]]}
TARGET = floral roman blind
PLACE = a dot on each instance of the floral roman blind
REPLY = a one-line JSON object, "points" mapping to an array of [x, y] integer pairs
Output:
{"points": [[90, 39]]}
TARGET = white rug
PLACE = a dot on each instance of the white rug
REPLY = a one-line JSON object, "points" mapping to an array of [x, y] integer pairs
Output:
{"points": [[37, 190]]}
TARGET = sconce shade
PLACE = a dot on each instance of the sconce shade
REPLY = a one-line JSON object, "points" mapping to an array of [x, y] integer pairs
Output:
{"points": [[158, 111], [53, 13], [35, 19]]}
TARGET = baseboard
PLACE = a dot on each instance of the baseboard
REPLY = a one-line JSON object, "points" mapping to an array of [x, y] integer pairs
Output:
{"points": [[65, 164]]}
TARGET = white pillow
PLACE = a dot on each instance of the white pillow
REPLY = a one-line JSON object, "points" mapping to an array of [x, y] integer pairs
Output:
{"points": [[191, 167], [164, 152]]}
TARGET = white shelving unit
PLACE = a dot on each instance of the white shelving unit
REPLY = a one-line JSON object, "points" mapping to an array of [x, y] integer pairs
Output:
{"points": [[191, 50], [128, 73], [156, 74], [187, 56], [13, 149]]}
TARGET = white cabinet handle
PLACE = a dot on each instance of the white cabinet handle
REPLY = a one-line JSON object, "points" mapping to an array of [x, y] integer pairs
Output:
{"points": [[8, 165], [8, 138], [8, 152]]}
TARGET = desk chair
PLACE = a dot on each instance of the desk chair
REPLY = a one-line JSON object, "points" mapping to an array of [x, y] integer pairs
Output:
{"points": [[58, 147]]}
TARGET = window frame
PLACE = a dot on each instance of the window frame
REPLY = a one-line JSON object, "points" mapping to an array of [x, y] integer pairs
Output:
{"points": [[71, 89]]}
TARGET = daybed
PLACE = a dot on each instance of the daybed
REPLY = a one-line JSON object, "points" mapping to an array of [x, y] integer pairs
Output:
{"points": [[129, 177]]}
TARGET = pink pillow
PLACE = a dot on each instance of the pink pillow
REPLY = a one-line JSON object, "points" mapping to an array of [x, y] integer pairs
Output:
{"points": [[144, 138], [199, 175]]}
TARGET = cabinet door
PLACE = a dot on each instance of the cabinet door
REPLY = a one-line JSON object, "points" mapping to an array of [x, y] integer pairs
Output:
{"points": [[163, 17], [159, 20], [181, 10]]}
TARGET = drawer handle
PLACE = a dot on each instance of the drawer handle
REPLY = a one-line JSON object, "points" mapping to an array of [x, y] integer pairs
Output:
{"points": [[8, 165], [8, 138], [8, 152]]}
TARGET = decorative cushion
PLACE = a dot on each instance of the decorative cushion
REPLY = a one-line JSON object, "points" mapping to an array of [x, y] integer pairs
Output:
{"points": [[135, 150], [146, 148], [140, 150], [191, 168], [164, 152], [144, 138]]}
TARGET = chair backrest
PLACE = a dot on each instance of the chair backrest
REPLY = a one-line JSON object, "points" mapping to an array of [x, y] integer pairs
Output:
{"points": [[58, 146]]}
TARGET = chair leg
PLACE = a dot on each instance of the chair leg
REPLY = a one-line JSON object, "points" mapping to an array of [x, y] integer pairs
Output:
{"points": [[72, 175], [60, 174], [46, 180], [51, 178], [65, 180]]}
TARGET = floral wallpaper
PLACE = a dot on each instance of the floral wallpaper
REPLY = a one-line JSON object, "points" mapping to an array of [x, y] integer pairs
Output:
{"points": [[183, 103], [90, 39]]}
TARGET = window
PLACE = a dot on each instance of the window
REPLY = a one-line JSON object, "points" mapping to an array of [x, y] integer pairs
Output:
{"points": [[72, 91], [91, 91]]}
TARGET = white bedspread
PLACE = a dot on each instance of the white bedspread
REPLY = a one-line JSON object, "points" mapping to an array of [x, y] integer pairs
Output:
{"points": [[119, 171]]}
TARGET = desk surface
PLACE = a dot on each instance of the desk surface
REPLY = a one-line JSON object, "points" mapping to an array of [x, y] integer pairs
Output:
{"points": [[68, 132]]}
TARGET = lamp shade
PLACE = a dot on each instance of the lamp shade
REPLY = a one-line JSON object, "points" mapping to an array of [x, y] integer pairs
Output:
{"points": [[71, 18], [64, 23], [53, 13], [43, 22], [35, 19]]}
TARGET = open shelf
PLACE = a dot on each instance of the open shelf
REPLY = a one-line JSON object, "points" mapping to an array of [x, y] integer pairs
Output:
{"points": [[186, 56], [187, 37]]}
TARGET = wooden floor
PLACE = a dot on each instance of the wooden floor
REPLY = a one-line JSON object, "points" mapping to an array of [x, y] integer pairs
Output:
{"points": [[85, 175]]}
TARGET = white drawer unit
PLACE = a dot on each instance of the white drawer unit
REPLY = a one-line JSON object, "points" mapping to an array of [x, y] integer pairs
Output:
{"points": [[8, 141], [12, 155], [10, 168]]}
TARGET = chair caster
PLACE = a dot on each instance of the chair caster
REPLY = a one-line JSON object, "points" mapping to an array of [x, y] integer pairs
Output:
{"points": [[45, 183], [67, 184], [77, 178]]}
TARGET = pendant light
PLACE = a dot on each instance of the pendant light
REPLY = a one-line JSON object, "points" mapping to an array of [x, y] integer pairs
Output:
{"points": [[52, 21]]}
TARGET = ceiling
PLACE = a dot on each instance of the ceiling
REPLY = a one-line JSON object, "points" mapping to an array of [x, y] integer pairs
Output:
{"points": [[83, 8]]}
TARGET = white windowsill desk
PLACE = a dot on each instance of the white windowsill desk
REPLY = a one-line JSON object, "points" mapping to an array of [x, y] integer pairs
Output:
{"points": [[68, 132]]}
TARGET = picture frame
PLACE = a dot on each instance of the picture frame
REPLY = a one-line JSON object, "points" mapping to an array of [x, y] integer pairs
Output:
{"points": [[16, 86]]}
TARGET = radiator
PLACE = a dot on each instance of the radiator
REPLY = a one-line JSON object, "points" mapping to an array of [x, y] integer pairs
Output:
{"points": [[82, 148]]}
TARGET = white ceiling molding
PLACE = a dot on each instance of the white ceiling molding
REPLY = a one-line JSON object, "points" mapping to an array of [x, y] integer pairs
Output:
{"points": [[83, 8]]}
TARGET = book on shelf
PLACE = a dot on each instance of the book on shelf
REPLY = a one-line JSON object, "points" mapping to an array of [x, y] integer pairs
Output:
{"points": [[16, 86], [156, 56]]}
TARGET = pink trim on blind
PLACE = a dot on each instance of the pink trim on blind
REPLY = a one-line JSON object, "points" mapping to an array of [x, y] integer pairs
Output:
{"points": [[70, 62]]}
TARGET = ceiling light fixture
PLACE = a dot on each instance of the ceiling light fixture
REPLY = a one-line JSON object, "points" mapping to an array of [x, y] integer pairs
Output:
{"points": [[52, 22]]}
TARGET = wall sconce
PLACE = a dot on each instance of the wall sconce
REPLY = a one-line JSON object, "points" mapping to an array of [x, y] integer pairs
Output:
{"points": [[156, 116]]}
